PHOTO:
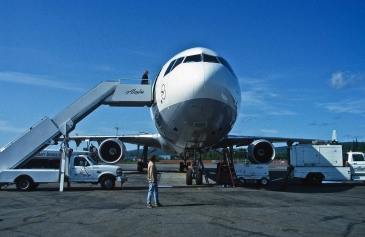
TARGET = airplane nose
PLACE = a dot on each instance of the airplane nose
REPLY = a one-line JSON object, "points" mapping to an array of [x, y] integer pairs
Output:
{"points": [[221, 84]]}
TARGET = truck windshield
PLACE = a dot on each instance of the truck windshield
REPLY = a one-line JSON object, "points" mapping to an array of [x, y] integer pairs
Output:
{"points": [[358, 157], [92, 161]]}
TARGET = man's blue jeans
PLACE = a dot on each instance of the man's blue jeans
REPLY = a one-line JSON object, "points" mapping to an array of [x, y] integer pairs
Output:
{"points": [[154, 190]]}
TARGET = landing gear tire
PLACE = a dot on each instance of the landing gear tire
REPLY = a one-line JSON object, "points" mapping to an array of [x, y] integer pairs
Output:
{"points": [[181, 166], [199, 177], [140, 167], [189, 177], [264, 181], [218, 165], [107, 183], [24, 183]]}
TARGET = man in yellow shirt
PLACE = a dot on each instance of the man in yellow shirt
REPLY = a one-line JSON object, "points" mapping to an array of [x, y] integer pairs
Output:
{"points": [[152, 180]]}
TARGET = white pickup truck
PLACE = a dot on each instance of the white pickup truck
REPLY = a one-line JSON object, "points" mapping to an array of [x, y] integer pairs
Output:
{"points": [[45, 168], [315, 163]]}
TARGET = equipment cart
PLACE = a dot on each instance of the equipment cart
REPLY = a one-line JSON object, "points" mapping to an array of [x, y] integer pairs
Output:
{"points": [[258, 173]]}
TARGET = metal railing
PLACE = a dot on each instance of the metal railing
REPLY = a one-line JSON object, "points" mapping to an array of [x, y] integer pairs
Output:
{"points": [[132, 81], [21, 135]]}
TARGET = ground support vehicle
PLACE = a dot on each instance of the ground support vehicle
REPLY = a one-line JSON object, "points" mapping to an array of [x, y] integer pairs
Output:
{"points": [[315, 163], [252, 172], [45, 168]]}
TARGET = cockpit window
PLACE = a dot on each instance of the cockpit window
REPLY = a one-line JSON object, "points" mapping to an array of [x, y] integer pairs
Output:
{"points": [[193, 58], [178, 61], [225, 63], [169, 67], [210, 58], [173, 64]]}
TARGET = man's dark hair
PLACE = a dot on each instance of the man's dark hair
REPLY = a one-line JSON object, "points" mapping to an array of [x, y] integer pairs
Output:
{"points": [[153, 157]]}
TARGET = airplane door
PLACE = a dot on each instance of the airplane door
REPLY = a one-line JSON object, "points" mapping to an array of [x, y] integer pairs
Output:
{"points": [[153, 87], [81, 170]]}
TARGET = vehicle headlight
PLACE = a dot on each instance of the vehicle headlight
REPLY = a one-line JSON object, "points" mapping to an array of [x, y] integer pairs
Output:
{"points": [[119, 172]]}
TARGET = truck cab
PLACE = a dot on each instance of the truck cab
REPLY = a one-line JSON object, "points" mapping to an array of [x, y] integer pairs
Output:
{"points": [[83, 169], [353, 158], [356, 162]]}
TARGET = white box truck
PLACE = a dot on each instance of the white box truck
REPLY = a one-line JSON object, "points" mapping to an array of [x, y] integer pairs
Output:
{"points": [[45, 168], [315, 163]]}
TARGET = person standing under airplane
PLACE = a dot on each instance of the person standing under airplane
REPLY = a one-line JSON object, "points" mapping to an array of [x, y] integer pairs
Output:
{"points": [[152, 180]]}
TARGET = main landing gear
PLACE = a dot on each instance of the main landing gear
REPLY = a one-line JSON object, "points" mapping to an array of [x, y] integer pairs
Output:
{"points": [[196, 170], [144, 163]]}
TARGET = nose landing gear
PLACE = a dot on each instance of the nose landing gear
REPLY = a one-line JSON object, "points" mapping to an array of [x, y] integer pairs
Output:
{"points": [[195, 170]]}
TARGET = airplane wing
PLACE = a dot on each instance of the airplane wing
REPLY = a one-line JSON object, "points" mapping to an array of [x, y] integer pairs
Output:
{"points": [[232, 140], [260, 148], [150, 140], [157, 142]]}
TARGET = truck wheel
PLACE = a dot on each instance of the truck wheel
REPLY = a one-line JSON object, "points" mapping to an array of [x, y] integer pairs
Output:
{"points": [[24, 183], [199, 177], [314, 179], [318, 180], [304, 181], [242, 181], [264, 181], [189, 177], [107, 183], [35, 185]]}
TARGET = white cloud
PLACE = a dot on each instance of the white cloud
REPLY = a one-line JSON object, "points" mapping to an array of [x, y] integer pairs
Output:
{"points": [[7, 127], [341, 80], [252, 98], [355, 106], [22, 78], [283, 112]]}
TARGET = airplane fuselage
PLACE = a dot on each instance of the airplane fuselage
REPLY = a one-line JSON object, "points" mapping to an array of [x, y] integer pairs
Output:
{"points": [[196, 99]]}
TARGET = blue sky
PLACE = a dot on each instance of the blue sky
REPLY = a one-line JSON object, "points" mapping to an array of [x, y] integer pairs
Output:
{"points": [[301, 64]]}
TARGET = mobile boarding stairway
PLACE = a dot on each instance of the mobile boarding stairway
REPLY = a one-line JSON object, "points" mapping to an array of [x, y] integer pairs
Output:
{"points": [[47, 130]]}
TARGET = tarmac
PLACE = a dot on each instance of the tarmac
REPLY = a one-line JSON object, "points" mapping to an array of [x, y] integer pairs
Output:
{"points": [[278, 209]]}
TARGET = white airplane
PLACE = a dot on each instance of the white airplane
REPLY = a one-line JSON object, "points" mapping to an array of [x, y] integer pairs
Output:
{"points": [[196, 100]]}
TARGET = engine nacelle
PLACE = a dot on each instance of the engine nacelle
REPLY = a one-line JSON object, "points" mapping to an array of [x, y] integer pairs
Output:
{"points": [[261, 152], [111, 150]]}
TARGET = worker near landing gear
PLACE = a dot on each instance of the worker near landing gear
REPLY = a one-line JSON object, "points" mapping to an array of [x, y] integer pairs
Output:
{"points": [[226, 158], [152, 180]]}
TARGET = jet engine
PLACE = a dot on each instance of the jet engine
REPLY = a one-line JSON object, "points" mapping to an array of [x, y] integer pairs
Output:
{"points": [[261, 152], [111, 150]]}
